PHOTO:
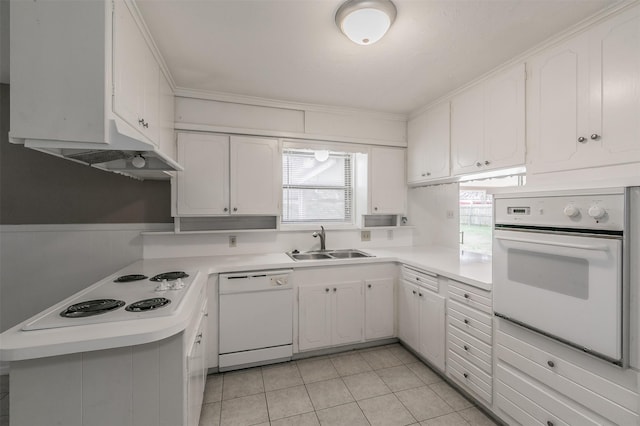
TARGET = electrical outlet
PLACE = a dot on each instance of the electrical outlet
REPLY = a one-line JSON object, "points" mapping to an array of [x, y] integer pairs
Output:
{"points": [[450, 214], [232, 240], [365, 236]]}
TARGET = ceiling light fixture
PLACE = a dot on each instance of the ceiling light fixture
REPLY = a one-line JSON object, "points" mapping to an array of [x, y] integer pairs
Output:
{"points": [[365, 21]]}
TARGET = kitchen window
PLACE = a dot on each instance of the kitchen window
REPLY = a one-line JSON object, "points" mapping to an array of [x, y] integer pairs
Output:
{"points": [[476, 212], [317, 187]]}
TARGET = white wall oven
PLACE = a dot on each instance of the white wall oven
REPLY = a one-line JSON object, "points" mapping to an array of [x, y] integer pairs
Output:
{"points": [[561, 267]]}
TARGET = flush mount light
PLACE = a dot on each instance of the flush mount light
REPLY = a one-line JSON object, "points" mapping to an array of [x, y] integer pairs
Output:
{"points": [[365, 21], [138, 161]]}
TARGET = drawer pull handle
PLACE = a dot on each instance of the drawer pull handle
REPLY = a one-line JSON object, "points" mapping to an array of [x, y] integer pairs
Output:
{"points": [[466, 348], [417, 278], [368, 285], [466, 321], [335, 289], [549, 423], [551, 363], [466, 376], [414, 292], [466, 296], [420, 294], [327, 290]]}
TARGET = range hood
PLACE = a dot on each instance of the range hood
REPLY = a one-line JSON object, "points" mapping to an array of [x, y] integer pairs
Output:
{"points": [[116, 156]]}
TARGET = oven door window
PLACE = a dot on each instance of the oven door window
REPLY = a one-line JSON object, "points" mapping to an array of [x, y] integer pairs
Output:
{"points": [[568, 275], [568, 287]]}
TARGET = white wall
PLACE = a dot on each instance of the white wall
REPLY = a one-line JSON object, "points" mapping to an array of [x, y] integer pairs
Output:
{"points": [[214, 244], [43, 264], [427, 211]]}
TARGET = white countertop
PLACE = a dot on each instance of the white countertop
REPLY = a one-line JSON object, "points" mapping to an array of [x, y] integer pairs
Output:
{"points": [[16, 344]]}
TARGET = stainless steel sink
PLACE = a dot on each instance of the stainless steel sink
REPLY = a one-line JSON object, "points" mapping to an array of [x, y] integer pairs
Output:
{"points": [[328, 254]]}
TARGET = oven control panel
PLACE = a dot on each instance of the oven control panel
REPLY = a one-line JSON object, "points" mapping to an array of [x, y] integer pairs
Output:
{"points": [[605, 211]]}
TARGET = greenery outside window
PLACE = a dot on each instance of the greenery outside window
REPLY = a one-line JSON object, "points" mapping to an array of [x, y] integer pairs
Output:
{"points": [[317, 187]]}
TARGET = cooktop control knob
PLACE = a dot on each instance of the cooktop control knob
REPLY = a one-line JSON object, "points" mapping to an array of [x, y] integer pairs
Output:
{"points": [[571, 211], [597, 212]]}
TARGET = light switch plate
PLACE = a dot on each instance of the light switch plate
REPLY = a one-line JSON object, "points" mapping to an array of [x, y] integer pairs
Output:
{"points": [[232, 240]]}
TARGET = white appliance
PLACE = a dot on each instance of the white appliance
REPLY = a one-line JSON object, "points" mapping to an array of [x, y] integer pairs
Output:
{"points": [[560, 267], [119, 298], [256, 318]]}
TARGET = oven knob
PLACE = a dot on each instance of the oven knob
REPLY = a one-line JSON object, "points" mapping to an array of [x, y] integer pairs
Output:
{"points": [[597, 212], [571, 211]]}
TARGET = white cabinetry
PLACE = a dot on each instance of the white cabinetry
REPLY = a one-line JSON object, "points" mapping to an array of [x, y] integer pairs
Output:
{"points": [[428, 145], [83, 76], [487, 124], [469, 339], [228, 175], [539, 381], [387, 182], [330, 314], [585, 101], [422, 315], [379, 302]]}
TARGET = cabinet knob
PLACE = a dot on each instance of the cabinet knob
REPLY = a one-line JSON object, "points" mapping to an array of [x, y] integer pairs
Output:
{"points": [[417, 278], [549, 423], [368, 285], [145, 125], [375, 208], [466, 348], [424, 174], [582, 139], [414, 292], [466, 296], [235, 209], [466, 376], [595, 136], [335, 289], [420, 294], [466, 321], [140, 120], [226, 209], [327, 290], [478, 164], [551, 363], [487, 162]]}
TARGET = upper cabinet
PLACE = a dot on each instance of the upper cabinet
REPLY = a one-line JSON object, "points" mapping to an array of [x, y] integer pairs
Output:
{"points": [[428, 145], [228, 175], [488, 124], [387, 184], [585, 99], [84, 76]]}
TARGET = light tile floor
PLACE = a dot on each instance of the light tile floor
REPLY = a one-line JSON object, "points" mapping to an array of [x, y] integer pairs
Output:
{"points": [[384, 386]]}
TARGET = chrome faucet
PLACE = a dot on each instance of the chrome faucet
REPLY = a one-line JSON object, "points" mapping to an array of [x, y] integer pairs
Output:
{"points": [[323, 238]]}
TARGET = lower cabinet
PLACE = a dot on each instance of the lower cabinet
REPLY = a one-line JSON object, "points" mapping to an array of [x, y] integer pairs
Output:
{"points": [[422, 316], [330, 314], [469, 339], [541, 382]]}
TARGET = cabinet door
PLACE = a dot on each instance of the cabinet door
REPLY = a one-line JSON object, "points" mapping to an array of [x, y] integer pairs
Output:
{"points": [[203, 186], [150, 98], [504, 115], [347, 312], [128, 65], [314, 317], [166, 117], [615, 89], [432, 327], [467, 131], [408, 314], [256, 176], [557, 114], [379, 308], [428, 145], [388, 191]]}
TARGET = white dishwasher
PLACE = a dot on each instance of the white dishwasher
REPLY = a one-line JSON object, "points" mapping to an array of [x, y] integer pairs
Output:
{"points": [[255, 318]]}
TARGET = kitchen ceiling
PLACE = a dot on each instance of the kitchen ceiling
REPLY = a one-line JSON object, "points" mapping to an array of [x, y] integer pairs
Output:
{"points": [[291, 50]]}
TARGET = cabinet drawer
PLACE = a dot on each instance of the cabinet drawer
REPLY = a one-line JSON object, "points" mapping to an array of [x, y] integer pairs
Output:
{"points": [[421, 278], [470, 296], [472, 325], [469, 375], [530, 398], [477, 352], [607, 398]]}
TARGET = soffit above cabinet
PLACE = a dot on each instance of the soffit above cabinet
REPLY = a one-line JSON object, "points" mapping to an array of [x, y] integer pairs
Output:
{"points": [[293, 51]]}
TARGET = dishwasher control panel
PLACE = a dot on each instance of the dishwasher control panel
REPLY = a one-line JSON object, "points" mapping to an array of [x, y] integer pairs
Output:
{"points": [[242, 282]]}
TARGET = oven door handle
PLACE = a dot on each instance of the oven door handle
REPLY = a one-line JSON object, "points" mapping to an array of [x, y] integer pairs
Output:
{"points": [[548, 243]]}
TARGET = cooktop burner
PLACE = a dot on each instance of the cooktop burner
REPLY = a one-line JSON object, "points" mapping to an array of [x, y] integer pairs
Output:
{"points": [[170, 276], [148, 304], [91, 307], [130, 278]]}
